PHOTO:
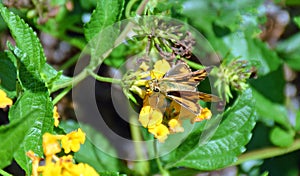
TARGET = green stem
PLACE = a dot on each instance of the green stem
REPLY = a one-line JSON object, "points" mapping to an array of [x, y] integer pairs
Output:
{"points": [[258, 154], [61, 95], [194, 65], [129, 7], [141, 167], [72, 82], [163, 171], [105, 79], [136, 136], [267, 153], [2, 172]]}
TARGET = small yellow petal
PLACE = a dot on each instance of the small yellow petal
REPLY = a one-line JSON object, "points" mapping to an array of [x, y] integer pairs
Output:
{"points": [[50, 169], [50, 144], [150, 117], [204, 115], [140, 82], [160, 132], [160, 69], [4, 100], [66, 161], [84, 170], [162, 66], [156, 74], [71, 142], [175, 126], [35, 162], [144, 66], [55, 116]]}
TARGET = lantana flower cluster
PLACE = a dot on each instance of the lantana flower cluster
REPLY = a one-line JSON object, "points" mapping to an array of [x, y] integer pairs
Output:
{"points": [[160, 115], [63, 165]]}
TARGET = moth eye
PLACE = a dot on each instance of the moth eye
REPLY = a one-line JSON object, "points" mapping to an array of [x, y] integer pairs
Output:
{"points": [[156, 89]]}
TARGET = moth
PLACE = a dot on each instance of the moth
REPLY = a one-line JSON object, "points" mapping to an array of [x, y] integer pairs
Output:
{"points": [[179, 84]]}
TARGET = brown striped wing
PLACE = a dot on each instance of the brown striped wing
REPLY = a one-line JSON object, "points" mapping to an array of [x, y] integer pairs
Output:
{"points": [[189, 99], [181, 74]]}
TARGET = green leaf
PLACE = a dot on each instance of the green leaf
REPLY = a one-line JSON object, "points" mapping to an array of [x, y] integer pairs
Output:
{"points": [[232, 27], [228, 142], [53, 77], [281, 138], [90, 153], [105, 14], [297, 21], [8, 75], [270, 111], [28, 76], [242, 45], [100, 33], [33, 70], [271, 85], [31, 117], [289, 51], [233, 15], [26, 39], [11, 135], [266, 173]]}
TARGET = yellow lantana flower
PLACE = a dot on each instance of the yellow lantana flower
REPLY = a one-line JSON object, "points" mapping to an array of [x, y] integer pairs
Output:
{"points": [[160, 69], [175, 126], [160, 132], [35, 162], [4, 100], [83, 169], [63, 166], [50, 169], [150, 117], [72, 141], [55, 116], [51, 145], [204, 115]]}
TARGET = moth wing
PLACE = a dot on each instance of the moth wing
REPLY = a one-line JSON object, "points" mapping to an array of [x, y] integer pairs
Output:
{"points": [[167, 86], [208, 97], [182, 74], [187, 99], [180, 68]]}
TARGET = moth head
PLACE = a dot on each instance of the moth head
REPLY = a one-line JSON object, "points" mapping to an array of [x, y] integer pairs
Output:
{"points": [[153, 85]]}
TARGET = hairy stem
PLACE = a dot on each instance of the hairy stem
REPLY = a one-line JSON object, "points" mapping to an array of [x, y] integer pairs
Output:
{"points": [[141, 166], [129, 7], [105, 79], [163, 171], [61, 95], [267, 153]]}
